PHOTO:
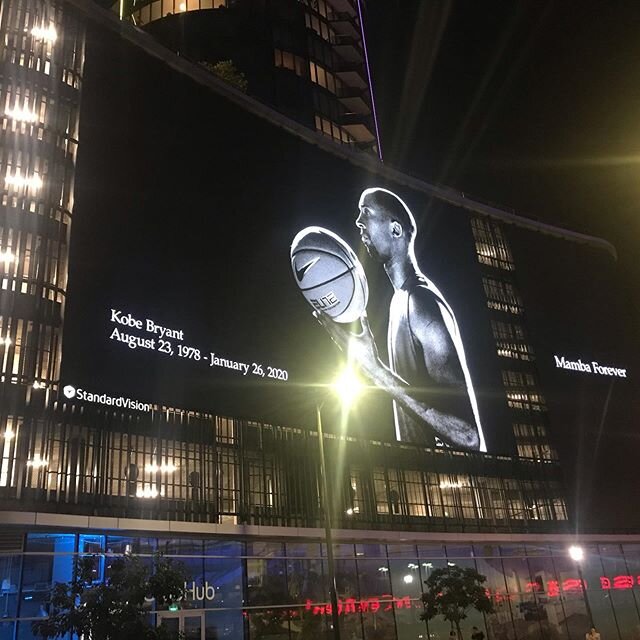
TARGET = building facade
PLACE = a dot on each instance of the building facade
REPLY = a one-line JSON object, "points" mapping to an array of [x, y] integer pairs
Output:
{"points": [[272, 586], [42, 57]]}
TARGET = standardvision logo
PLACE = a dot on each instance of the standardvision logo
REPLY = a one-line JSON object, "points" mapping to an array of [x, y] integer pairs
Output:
{"points": [[70, 392]]}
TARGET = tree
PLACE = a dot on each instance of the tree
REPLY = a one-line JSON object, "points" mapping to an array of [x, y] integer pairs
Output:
{"points": [[452, 591], [117, 607], [227, 71]]}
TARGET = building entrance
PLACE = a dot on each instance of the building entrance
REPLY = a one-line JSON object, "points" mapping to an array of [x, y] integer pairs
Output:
{"points": [[190, 624]]}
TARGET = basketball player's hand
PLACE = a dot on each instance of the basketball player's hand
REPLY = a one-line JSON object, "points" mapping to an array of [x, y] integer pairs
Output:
{"points": [[360, 347]]}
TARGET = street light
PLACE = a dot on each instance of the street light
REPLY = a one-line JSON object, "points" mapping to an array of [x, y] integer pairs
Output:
{"points": [[347, 387], [576, 553]]}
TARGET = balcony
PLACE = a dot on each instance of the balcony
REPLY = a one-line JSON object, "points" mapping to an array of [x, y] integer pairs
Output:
{"points": [[343, 6], [344, 24], [354, 99], [359, 126], [348, 48], [353, 74]]}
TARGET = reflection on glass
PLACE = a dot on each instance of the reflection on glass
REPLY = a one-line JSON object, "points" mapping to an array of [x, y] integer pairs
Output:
{"points": [[172, 625], [6, 630], [223, 624], [535, 590], [306, 581], [131, 544], [180, 547], [431, 551], [266, 581], [9, 577], [265, 549], [225, 575], [269, 624], [192, 627]]}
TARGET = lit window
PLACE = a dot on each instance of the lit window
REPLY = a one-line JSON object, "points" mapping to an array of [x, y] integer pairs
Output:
{"points": [[17, 180], [48, 34], [21, 114]]}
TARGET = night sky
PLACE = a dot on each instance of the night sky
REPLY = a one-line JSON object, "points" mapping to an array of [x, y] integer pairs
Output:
{"points": [[533, 106]]}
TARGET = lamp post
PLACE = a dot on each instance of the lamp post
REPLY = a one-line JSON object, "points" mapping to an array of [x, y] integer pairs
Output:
{"points": [[348, 387], [333, 594], [577, 555]]}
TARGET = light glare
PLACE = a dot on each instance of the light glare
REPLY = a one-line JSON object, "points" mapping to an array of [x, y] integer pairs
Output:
{"points": [[162, 468], [7, 257], [22, 115], [147, 492], [576, 553], [37, 462], [445, 484], [408, 579], [348, 387], [46, 33], [35, 182]]}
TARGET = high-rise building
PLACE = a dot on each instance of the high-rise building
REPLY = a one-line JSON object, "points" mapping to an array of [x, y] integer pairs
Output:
{"points": [[178, 413], [307, 59], [40, 81]]}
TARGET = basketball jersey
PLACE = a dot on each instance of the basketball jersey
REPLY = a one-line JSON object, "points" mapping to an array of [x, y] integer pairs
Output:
{"points": [[406, 358]]}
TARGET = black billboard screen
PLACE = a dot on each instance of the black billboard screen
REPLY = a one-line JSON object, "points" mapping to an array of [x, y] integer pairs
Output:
{"points": [[220, 263]]}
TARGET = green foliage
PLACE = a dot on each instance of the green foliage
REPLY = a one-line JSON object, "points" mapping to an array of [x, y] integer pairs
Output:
{"points": [[452, 591], [227, 71], [117, 607]]}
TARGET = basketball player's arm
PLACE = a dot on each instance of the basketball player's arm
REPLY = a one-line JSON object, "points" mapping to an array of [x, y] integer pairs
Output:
{"points": [[362, 349], [449, 408]]}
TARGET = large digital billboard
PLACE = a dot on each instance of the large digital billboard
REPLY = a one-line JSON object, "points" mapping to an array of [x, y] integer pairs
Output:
{"points": [[221, 263]]}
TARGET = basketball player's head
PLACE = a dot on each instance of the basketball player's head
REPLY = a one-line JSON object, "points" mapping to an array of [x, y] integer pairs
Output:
{"points": [[387, 227]]}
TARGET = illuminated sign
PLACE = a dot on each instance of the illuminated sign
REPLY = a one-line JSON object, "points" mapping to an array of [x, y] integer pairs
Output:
{"points": [[589, 367], [554, 588], [205, 592], [387, 602], [209, 305], [70, 392], [425, 346], [163, 342], [193, 592]]}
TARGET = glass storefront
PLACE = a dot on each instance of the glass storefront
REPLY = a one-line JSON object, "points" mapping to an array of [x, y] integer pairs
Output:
{"points": [[270, 590]]}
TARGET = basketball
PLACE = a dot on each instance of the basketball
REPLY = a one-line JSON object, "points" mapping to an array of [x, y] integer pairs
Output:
{"points": [[329, 274]]}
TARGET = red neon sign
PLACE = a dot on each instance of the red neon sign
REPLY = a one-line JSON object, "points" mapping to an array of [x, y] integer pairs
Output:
{"points": [[387, 602]]}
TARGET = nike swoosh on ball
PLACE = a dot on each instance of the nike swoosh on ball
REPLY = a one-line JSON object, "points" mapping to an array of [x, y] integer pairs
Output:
{"points": [[304, 268]]}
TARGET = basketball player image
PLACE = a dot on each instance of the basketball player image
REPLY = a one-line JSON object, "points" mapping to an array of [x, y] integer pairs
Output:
{"points": [[427, 376]]}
